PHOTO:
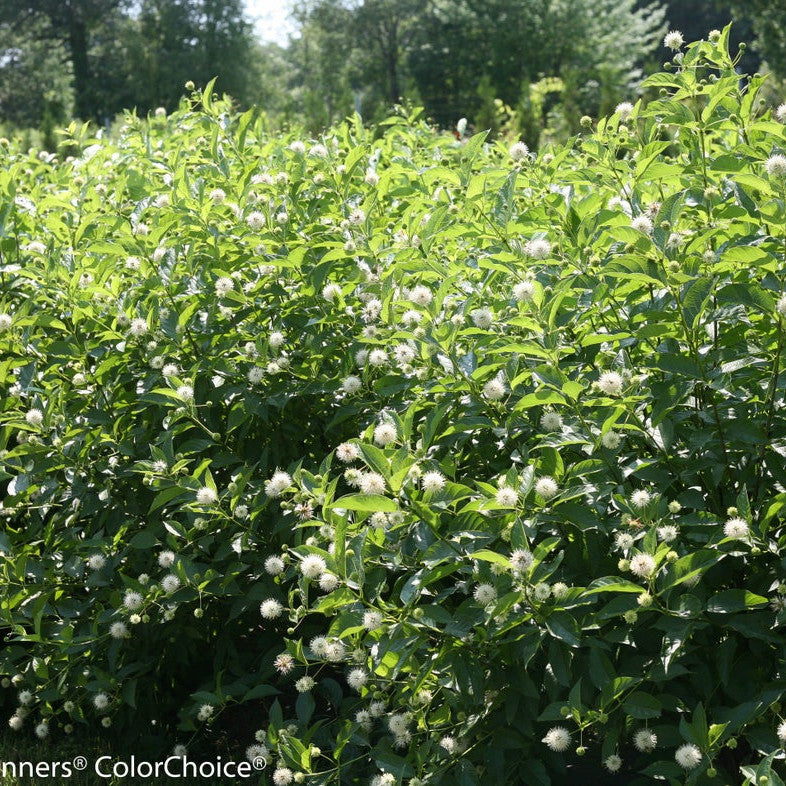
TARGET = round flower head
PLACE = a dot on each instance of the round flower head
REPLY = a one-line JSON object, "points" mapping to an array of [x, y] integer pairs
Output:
{"points": [[640, 498], [611, 440], [645, 741], [34, 417], [521, 560], [278, 484], [377, 357], [224, 285], [673, 40], [270, 609], [776, 165], [546, 487], [328, 582], [780, 306], [518, 151], [166, 559], [781, 732], [372, 620], [494, 390], [421, 295], [385, 434], [642, 565], [624, 110], [688, 756], [485, 594], [551, 421], [313, 566], [347, 452], [42, 730], [351, 384], [524, 291], [612, 763], [100, 701], [372, 483], [304, 684], [96, 561], [642, 224], [118, 630], [623, 540], [610, 383], [274, 565], [282, 776], [206, 496], [736, 528], [357, 678], [780, 113], [132, 600], [667, 533], [255, 220], [5, 322], [557, 738], [538, 248], [507, 496], [482, 318], [432, 482], [138, 327], [170, 583]]}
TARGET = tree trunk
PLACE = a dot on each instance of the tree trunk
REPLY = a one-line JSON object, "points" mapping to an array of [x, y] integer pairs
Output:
{"points": [[77, 42]]}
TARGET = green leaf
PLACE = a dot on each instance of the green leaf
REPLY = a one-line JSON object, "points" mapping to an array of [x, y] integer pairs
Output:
{"points": [[370, 503]]}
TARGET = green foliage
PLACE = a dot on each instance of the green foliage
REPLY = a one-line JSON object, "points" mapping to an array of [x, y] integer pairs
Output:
{"points": [[442, 462]]}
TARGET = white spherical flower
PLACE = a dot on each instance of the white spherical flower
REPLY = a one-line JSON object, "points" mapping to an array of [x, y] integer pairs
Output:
{"points": [[551, 421], [270, 609], [673, 40], [217, 196], [274, 565], [25, 697], [331, 292], [776, 165], [482, 318], [371, 177], [688, 756], [642, 224], [118, 630], [96, 561], [186, 392], [357, 678], [506, 496], [521, 560], [612, 763], [278, 484], [421, 295], [170, 583], [100, 701], [335, 651], [558, 739], [432, 482], [305, 684], [780, 113], [398, 723], [132, 600], [642, 565], [385, 434], [255, 220], [623, 541], [624, 110], [328, 582], [781, 732], [15, 722], [377, 357], [6, 320], [546, 487], [351, 384], [372, 483], [538, 248], [170, 370], [206, 496], [34, 417], [485, 594], [256, 375], [494, 390], [667, 533], [780, 306], [313, 566], [611, 440], [42, 730], [610, 383], [518, 151], [640, 498], [357, 216], [524, 291], [282, 776], [645, 741], [347, 452], [166, 559], [372, 620], [224, 285], [138, 327], [736, 528]]}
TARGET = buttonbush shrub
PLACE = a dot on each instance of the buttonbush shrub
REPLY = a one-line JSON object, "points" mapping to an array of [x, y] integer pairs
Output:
{"points": [[400, 458]]}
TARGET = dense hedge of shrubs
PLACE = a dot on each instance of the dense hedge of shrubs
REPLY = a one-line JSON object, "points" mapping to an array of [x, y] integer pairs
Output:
{"points": [[417, 460]]}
